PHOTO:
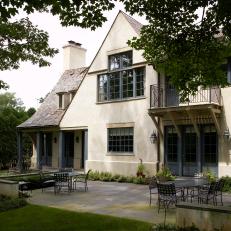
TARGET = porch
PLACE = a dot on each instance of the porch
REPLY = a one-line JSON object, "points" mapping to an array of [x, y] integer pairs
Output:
{"points": [[54, 148], [189, 131]]}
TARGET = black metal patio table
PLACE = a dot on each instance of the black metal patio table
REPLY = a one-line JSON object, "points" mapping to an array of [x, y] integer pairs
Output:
{"points": [[189, 186]]}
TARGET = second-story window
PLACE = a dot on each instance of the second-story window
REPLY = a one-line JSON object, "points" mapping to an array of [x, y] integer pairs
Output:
{"points": [[122, 81], [120, 61]]}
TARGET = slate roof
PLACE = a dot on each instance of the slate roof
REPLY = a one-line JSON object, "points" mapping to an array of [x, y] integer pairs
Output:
{"points": [[134, 23], [48, 114]]}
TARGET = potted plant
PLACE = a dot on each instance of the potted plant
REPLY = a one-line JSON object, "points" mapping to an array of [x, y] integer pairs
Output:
{"points": [[140, 169], [164, 174]]}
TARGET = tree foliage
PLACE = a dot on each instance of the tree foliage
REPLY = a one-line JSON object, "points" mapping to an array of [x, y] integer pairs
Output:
{"points": [[12, 113], [186, 40], [182, 39], [22, 41]]}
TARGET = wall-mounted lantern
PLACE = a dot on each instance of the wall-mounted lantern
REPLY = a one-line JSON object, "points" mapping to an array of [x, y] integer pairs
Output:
{"points": [[153, 138], [227, 134]]}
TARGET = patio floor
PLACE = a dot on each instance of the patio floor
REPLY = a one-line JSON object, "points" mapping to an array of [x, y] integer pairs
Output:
{"points": [[110, 198]]}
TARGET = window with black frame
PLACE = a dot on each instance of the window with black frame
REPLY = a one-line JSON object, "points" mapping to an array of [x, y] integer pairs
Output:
{"points": [[122, 81], [120, 139], [210, 145], [171, 146], [190, 145]]}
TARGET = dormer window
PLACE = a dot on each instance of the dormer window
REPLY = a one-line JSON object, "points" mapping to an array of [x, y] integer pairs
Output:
{"points": [[60, 100], [122, 81]]}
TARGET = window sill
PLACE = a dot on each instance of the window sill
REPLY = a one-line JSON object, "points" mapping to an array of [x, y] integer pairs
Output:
{"points": [[120, 154], [122, 100]]}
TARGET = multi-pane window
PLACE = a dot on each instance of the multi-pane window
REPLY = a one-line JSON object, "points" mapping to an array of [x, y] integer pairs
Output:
{"points": [[210, 144], [114, 86], [171, 144], [190, 145], [127, 84], [121, 85], [120, 61], [103, 88], [122, 81], [120, 139]]}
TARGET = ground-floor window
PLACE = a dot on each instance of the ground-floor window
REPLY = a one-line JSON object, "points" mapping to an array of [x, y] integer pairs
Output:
{"points": [[187, 153], [120, 139]]}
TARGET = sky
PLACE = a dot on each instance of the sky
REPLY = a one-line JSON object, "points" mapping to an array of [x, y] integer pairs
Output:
{"points": [[29, 82]]}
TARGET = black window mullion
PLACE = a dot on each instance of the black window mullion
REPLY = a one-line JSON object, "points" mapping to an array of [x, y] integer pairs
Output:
{"points": [[134, 83], [121, 85]]}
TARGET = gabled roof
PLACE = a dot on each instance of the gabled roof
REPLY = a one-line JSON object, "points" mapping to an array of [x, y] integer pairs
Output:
{"points": [[48, 114], [134, 23]]}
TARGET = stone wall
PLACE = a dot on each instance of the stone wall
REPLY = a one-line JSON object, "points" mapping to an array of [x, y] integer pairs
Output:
{"points": [[9, 188], [204, 217]]}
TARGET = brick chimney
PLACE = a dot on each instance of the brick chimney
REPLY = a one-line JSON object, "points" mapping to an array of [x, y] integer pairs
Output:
{"points": [[74, 56]]}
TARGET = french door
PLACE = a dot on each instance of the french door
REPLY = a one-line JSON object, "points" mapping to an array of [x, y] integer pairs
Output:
{"points": [[189, 154]]}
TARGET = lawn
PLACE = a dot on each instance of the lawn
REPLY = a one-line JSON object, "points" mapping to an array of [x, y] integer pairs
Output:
{"points": [[40, 218]]}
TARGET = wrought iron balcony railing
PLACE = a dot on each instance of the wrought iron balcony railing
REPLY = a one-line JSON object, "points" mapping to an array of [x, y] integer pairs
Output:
{"points": [[168, 97]]}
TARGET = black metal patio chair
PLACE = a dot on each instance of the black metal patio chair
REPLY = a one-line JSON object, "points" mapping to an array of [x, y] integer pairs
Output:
{"points": [[168, 195], [218, 190], [211, 192], [81, 179], [62, 181]]}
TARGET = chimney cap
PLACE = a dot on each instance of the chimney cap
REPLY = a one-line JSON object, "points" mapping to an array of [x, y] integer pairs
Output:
{"points": [[74, 43]]}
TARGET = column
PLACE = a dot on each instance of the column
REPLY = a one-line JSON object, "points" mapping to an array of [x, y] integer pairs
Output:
{"points": [[61, 149], [19, 150], [38, 149]]}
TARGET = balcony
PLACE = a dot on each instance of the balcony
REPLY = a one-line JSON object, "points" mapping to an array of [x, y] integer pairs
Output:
{"points": [[202, 108], [162, 98]]}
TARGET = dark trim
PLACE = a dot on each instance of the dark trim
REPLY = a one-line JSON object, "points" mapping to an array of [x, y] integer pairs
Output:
{"points": [[98, 72], [123, 100]]}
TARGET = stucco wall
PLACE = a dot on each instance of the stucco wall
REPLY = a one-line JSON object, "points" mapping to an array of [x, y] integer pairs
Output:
{"points": [[78, 149], [84, 111], [225, 144]]}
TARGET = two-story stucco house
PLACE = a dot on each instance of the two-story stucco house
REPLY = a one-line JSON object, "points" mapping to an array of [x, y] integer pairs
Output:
{"points": [[102, 117]]}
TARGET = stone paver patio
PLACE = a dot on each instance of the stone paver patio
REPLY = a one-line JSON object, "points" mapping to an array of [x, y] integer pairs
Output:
{"points": [[110, 198]]}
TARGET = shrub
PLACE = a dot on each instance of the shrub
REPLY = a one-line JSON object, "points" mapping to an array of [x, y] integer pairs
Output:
{"points": [[115, 177], [122, 179], [7, 203], [94, 175], [227, 185], [164, 174], [210, 175], [105, 176], [139, 180]]}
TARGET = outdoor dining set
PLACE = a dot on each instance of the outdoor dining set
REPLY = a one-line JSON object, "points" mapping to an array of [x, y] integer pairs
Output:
{"points": [[69, 180], [194, 190], [64, 180]]}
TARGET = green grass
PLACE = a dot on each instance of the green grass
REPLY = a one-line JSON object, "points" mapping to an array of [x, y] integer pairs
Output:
{"points": [[40, 218]]}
